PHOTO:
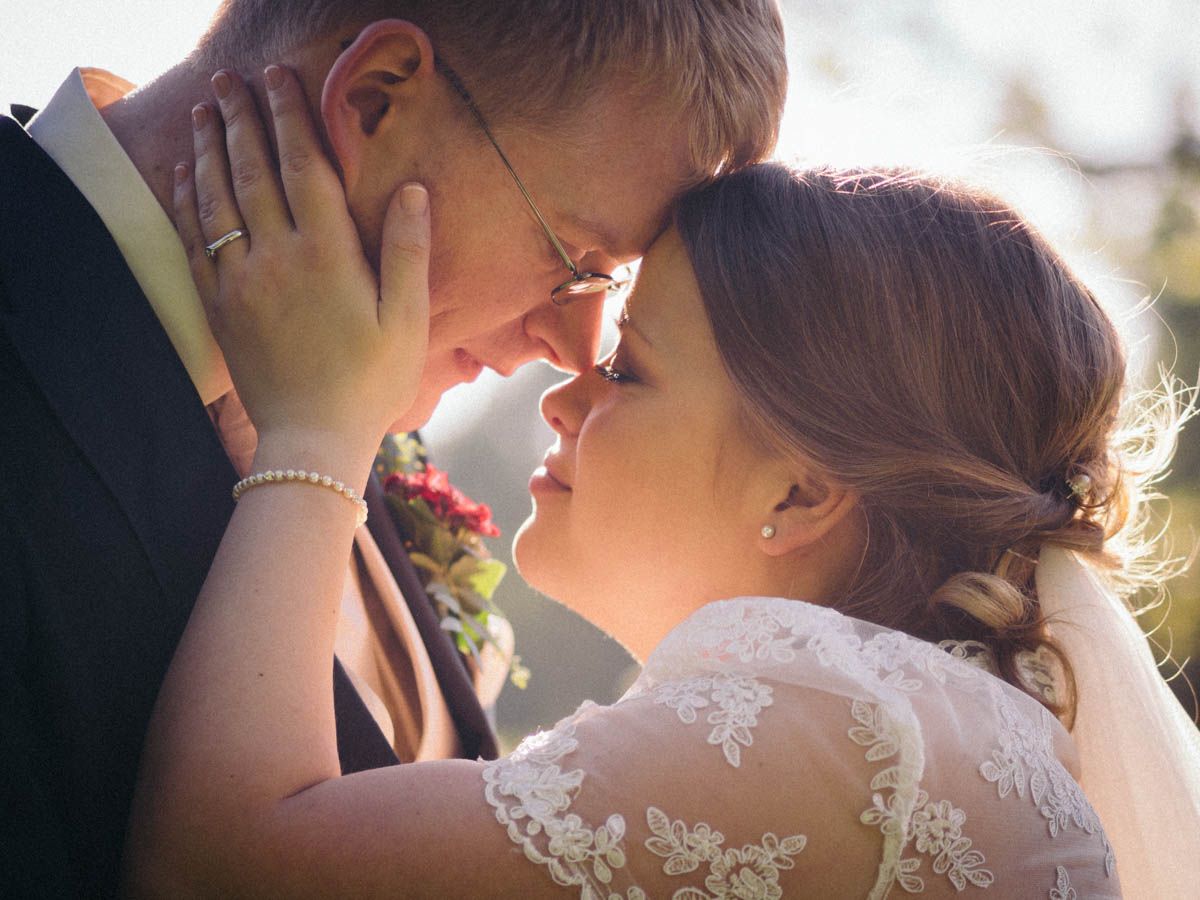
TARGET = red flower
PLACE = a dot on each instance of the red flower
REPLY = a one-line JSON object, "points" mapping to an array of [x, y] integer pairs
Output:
{"points": [[446, 502]]}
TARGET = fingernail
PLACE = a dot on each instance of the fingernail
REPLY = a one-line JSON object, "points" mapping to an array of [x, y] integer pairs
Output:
{"points": [[199, 116], [221, 84], [413, 198], [273, 75], [181, 172]]}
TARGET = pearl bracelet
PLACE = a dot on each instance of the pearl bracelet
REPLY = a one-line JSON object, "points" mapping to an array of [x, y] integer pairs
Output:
{"points": [[283, 475]]}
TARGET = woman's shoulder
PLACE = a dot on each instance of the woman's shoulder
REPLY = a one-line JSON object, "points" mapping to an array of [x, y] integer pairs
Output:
{"points": [[772, 740]]}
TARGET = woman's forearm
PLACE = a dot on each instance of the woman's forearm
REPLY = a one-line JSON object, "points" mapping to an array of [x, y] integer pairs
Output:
{"points": [[245, 716], [325, 350]]}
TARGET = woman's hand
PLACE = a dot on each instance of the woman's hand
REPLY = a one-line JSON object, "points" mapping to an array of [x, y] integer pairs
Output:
{"points": [[320, 348]]}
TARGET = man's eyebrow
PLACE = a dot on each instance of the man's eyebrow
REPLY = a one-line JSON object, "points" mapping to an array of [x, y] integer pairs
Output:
{"points": [[604, 237], [625, 323]]}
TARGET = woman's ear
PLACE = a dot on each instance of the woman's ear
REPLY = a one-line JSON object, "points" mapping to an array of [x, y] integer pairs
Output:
{"points": [[805, 513], [372, 83]]}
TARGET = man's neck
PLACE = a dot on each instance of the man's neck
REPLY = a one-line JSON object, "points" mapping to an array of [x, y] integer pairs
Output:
{"points": [[153, 125]]}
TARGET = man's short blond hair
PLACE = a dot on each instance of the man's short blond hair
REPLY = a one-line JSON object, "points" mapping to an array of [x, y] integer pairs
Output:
{"points": [[718, 64]]}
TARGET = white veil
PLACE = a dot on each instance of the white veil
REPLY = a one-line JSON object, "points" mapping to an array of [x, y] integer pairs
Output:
{"points": [[1139, 751]]}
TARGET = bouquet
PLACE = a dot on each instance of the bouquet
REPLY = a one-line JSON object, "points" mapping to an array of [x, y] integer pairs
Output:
{"points": [[444, 530]]}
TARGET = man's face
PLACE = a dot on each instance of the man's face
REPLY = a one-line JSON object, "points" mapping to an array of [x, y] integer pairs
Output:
{"points": [[605, 190]]}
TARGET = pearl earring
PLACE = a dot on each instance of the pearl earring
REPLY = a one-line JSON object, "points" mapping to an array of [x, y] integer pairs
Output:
{"points": [[768, 531]]}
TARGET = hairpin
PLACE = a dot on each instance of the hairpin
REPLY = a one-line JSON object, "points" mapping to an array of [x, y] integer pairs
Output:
{"points": [[1080, 486]]}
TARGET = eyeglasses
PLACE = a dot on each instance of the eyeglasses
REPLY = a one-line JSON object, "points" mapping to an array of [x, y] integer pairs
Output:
{"points": [[580, 284]]}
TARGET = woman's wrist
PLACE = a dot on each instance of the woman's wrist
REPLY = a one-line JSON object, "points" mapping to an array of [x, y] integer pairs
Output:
{"points": [[326, 453]]}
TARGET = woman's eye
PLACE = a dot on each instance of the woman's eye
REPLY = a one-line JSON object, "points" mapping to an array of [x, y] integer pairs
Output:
{"points": [[610, 373]]}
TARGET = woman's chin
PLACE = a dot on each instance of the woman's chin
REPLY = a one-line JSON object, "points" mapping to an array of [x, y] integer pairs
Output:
{"points": [[541, 561], [526, 555]]}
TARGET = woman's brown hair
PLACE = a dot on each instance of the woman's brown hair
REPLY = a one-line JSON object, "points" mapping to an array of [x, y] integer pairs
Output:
{"points": [[923, 345]]}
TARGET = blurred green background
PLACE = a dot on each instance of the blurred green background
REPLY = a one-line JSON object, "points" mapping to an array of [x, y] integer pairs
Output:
{"points": [[1085, 115]]}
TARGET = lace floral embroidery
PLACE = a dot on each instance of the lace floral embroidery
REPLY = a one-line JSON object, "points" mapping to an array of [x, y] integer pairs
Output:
{"points": [[935, 828], [531, 795], [975, 653], [749, 872], [1038, 669], [1025, 763], [738, 700], [1062, 889], [735, 634], [701, 673], [938, 831]]}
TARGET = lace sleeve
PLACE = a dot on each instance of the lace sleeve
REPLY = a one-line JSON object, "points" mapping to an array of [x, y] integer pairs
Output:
{"points": [[819, 768]]}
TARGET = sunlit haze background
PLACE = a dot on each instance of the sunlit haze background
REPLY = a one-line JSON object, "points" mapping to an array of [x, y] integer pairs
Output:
{"points": [[1085, 114]]}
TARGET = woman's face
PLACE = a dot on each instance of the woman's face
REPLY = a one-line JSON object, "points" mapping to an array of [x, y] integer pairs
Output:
{"points": [[642, 510]]}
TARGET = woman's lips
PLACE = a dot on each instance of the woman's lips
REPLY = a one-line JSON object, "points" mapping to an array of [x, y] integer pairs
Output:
{"points": [[543, 480]]}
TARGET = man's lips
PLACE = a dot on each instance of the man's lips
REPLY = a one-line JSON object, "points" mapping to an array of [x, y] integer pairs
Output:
{"points": [[468, 366]]}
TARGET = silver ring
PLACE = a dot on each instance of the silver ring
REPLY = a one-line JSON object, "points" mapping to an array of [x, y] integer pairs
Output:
{"points": [[211, 250]]}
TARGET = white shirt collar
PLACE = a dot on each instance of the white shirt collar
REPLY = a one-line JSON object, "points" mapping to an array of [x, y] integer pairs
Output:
{"points": [[72, 132]]}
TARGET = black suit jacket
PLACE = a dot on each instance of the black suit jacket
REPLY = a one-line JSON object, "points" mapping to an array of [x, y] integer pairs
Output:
{"points": [[114, 493]]}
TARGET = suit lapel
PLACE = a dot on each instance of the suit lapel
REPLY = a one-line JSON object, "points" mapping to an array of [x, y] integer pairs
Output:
{"points": [[87, 335], [23, 113], [474, 732]]}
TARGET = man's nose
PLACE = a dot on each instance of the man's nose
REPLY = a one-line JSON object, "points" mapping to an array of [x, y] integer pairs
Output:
{"points": [[571, 332]]}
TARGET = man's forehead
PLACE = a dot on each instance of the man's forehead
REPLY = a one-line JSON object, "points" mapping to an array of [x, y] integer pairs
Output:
{"points": [[621, 243], [620, 207], [621, 186]]}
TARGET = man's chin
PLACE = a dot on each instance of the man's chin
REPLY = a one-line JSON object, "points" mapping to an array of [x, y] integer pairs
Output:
{"points": [[434, 385], [416, 417]]}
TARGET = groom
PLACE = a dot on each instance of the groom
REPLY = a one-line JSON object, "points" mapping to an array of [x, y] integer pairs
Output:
{"points": [[122, 435]]}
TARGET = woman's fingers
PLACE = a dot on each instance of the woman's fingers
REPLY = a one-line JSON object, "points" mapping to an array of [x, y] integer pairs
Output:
{"points": [[313, 336], [314, 192], [255, 182], [404, 289], [404, 262], [187, 223], [216, 206]]}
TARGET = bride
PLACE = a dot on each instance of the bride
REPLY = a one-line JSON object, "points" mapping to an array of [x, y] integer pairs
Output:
{"points": [[852, 486]]}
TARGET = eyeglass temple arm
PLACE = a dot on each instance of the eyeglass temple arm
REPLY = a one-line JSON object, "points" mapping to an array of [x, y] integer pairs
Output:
{"points": [[460, 89]]}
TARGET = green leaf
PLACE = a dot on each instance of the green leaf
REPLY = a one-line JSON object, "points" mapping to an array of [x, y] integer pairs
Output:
{"points": [[466, 538], [473, 629], [445, 596], [420, 511], [462, 639], [400, 453], [441, 546], [518, 674], [402, 513], [491, 572], [429, 566], [462, 569]]}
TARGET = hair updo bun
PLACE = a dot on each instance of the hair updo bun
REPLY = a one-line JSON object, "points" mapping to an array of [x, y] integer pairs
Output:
{"points": [[924, 346]]}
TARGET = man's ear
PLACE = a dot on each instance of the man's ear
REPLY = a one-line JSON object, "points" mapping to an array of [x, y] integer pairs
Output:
{"points": [[384, 70], [812, 507]]}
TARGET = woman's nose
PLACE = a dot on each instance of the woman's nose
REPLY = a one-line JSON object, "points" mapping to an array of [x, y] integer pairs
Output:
{"points": [[564, 406]]}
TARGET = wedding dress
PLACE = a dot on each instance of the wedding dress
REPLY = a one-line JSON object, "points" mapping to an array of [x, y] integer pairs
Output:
{"points": [[776, 748]]}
